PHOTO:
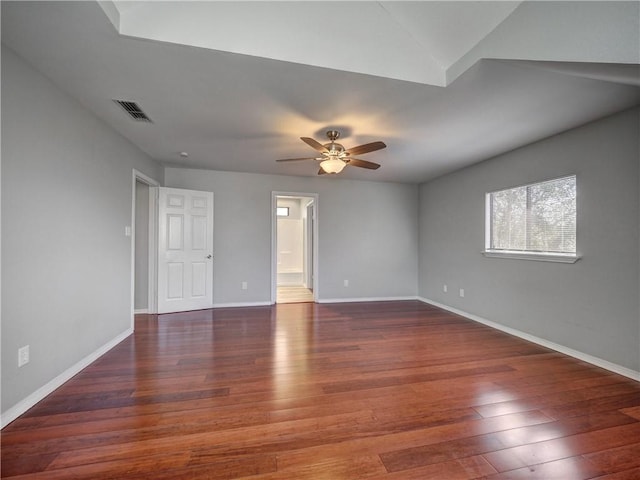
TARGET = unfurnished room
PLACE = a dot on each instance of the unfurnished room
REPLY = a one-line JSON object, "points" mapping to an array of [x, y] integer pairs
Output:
{"points": [[321, 240]]}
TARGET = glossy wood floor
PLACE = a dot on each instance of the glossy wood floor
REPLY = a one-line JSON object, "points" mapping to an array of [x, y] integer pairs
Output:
{"points": [[390, 390]]}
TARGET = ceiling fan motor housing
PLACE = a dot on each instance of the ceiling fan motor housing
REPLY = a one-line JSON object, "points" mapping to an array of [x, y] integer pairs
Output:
{"points": [[334, 148], [333, 135]]}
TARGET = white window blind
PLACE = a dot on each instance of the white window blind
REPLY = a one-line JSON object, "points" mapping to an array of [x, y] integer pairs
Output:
{"points": [[538, 218]]}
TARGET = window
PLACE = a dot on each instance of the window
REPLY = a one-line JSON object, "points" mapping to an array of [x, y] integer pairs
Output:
{"points": [[282, 211], [533, 222]]}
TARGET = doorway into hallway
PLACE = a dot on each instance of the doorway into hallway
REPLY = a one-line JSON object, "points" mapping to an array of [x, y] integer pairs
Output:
{"points": [[295, 250]]}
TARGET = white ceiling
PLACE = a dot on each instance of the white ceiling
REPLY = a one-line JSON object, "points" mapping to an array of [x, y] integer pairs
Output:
{"points": [[235, 84], [413, 41]]}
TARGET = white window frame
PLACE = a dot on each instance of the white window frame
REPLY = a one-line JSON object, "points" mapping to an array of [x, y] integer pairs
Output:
{"points": [[522, 254]]}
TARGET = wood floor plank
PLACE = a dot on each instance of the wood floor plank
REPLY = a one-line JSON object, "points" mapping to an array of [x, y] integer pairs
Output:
{"points": [[563, 447], [371, 390], [410, 458], [109, 470], [631, 474], [494, 444], [632, 412], [460, 469], [564, 402], [618, 459], [408, 439], [572, 468]]}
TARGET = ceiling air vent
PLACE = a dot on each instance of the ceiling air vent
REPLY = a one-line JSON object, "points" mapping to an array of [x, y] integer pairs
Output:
{"points": [[134, 110]]}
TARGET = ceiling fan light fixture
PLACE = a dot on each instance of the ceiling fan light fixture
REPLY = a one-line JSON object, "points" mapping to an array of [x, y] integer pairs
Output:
{"points": [[335, 157], [332, 165]]}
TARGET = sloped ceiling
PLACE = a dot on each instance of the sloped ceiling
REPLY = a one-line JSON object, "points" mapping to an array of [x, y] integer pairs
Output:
{"points": [[235, 84], [413, 41]]}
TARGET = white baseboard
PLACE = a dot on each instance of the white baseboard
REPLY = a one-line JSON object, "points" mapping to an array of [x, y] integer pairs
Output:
{"points": [[18, 409], [140, 311], [598, 362], [241, 304], [365, 299]]}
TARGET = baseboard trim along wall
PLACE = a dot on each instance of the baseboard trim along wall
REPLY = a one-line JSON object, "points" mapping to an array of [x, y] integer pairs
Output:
{"points": [[240, 304], [21, 407], [598, 362], [366, 299], [141, 311]]}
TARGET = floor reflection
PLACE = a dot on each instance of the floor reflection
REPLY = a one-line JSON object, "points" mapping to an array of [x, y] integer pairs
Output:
{"points": [[293, 339]]}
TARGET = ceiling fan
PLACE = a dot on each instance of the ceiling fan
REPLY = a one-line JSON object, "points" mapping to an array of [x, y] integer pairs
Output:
{"points": [[335, 157]]}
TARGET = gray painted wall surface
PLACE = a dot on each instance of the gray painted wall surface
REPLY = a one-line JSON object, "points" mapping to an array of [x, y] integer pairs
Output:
{"points": [[590, 306], [66, 199], [141, 290], [368, 233]]}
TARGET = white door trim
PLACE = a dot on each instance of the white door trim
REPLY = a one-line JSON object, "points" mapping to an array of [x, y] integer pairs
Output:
{"points": [[274, 242], [310, 228], [141, 177], [152, 301]]}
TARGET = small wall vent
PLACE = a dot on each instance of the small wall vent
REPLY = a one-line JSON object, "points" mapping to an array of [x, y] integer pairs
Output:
{"points": [[134, 110]]}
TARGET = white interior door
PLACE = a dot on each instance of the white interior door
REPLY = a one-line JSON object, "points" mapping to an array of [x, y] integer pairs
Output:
{"points": [[185, 250]]}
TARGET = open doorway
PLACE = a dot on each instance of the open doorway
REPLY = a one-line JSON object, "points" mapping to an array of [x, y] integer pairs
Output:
{"points": [[295, 222], [141, 235], [143, 244]]}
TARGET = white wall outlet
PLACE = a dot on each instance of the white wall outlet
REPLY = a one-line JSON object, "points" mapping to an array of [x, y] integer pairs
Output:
{"points": [[127, 231], [245, 285], [462, 292], [23, 355], [346, 283], [445, 289]]}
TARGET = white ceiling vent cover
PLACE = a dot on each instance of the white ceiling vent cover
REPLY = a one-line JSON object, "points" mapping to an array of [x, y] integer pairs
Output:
{"points": [[134, 110]]}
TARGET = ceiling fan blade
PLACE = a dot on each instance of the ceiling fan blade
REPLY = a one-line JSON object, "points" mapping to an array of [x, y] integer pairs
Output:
{"points": [[321, 172], [316, 145], [366, 148], [356, 162], [294, 159]]}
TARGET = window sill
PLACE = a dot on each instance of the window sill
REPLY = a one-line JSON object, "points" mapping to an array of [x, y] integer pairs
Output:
{"points": [[539, 257]]}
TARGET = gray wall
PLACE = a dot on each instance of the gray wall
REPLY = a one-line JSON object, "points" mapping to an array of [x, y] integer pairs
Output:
{"points": [[141, 289], [590, 306], [66, 199], [368, 233]]}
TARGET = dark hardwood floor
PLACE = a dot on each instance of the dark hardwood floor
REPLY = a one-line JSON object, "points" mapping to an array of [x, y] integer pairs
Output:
{"points": [[389, 390]]}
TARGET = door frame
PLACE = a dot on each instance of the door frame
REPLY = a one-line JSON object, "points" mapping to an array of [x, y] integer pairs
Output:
{"points": [[274, 242], [138, 176], [309, 273]]}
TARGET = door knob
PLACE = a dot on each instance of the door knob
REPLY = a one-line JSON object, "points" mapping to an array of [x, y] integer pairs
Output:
{"points": [[209, 256]]}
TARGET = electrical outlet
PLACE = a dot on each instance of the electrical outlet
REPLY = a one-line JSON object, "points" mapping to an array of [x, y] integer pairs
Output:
{"points": [[462, 292], [445, 289], [245, 285], [23, 355], [346, 283]]}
